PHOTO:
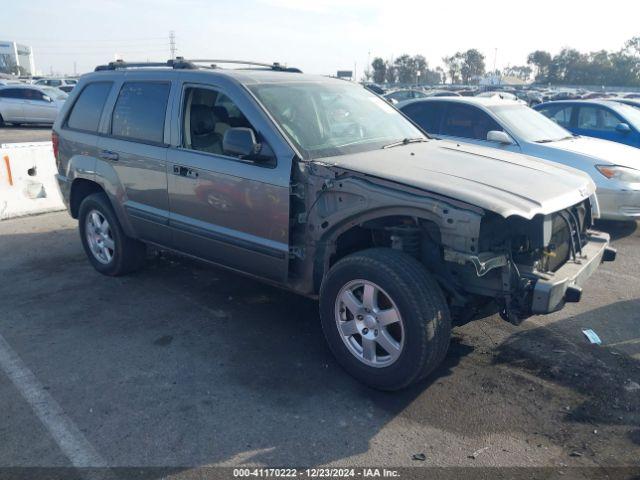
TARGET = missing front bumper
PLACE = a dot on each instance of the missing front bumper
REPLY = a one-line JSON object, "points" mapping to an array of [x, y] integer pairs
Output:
{"points": [[551, 292]]}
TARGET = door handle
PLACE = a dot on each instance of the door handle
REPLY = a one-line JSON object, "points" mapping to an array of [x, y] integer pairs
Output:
{"points": [[107, 155], [185, 171]]}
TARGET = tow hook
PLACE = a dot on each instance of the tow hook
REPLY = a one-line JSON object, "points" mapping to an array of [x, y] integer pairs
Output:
{"points": [[609, 254], [573, 293]]}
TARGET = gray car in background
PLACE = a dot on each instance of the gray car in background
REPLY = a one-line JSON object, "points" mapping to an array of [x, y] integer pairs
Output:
{"points": [[514, 127], [30, 104]]}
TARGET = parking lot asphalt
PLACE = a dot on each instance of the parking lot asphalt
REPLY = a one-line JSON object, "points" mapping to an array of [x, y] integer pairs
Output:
{"points": [[186, 365], [25, 133]]}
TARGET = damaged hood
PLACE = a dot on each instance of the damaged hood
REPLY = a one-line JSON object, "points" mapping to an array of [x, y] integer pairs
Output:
{"points": [[502, 182]]}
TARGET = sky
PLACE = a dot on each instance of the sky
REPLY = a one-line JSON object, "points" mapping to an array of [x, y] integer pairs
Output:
{"points": [[318, 36]]}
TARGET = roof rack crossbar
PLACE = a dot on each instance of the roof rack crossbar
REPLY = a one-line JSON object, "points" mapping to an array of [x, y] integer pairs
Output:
{"points": [[273, 66], [121, 64], [181, 63]]}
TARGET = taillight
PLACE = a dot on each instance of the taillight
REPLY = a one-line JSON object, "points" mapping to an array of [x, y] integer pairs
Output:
{"points": [[54, 143]]}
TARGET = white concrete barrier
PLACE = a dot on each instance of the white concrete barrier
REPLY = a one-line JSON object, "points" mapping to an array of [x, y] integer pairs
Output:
{"points": [[27, 182]]}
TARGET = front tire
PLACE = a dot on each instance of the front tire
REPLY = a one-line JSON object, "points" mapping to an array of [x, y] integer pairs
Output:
{"points": [[109, 250], [385, 318]]}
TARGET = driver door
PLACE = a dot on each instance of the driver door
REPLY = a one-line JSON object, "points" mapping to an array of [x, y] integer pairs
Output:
{"points": [[38, 108], [229, 210]]}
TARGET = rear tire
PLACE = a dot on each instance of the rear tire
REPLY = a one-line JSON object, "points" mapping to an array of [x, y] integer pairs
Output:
{"points": [[109, 250], [404, 314]]}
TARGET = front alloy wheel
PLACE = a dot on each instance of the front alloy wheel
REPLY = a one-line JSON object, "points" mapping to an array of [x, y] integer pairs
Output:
{"points": [[384, 317], [370, 323]]}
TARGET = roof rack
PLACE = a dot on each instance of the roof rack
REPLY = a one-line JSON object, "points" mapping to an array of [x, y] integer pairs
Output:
{"points": [[181, 63], [273, 66], [178, 63]]}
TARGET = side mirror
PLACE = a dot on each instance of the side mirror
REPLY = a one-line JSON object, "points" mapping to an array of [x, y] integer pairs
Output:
{"points": [[47, 98], [499, 137], [623, 128], [240, 141]]}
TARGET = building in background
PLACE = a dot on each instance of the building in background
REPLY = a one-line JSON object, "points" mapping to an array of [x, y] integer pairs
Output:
{"points": [[16, 59]]}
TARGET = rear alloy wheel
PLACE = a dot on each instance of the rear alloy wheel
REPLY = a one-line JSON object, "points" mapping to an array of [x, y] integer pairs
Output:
{"points": [[384, 318], [109, 250], [99, 237]]}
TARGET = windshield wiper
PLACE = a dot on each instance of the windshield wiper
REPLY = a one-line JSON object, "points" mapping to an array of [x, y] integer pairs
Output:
{"points": [[406, 141]]}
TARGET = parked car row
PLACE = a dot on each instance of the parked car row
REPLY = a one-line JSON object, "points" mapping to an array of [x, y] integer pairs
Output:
{"points": [[514, 127], [30, 104], [532, 95], [321, 187], [605, 119], [64, 84]]}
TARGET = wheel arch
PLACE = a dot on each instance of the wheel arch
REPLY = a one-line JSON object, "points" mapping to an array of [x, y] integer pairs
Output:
{"points": [[330, 246], [81, 188]]}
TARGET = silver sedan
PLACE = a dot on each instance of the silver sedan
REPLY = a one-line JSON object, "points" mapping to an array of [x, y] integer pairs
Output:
{"points": [[30, 104], [510, 126]]}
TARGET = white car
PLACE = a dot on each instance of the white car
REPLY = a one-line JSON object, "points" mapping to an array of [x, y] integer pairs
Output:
{"points": [[64, 84], [30, 104], [514, 127], [4, 82]]}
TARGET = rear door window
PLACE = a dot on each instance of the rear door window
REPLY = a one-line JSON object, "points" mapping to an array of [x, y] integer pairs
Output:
{"points": [[140, 111], [426, 114], [466, 121], [11, 93], [87, 110]]}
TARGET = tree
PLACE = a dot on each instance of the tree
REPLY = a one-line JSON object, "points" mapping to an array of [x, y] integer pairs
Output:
{"points": [[541, 60], [632, 46], [454, 66], [472, 66], [523, 72], [390, 74], [406, 68], [379, 70]]}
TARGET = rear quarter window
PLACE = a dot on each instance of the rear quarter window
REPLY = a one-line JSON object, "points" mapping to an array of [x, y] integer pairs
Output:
{"points": [[87, 110], [140, 111]]}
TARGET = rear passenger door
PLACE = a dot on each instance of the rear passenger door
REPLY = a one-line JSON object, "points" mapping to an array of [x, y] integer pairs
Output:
{"points": [[230, 210], [79, 142], [12, 104], [133, 155]]}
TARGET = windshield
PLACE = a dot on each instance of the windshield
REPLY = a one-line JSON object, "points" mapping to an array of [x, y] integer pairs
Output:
{"points": [[328, 119], [631, 114], [529, 125], [55, 93]]}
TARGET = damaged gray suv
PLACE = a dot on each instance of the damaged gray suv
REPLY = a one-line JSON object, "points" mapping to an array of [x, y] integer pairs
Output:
{"points": [[321, 187]]}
